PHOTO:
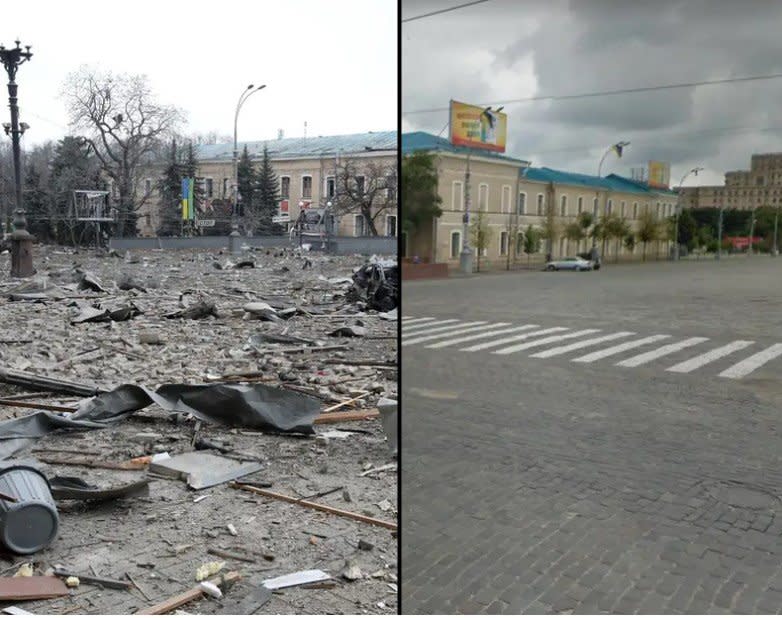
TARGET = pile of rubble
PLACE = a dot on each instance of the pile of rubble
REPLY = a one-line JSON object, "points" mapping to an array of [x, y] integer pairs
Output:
{"points": [[213, 429]]}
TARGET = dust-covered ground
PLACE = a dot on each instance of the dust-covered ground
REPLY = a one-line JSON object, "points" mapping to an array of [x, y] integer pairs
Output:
{"points": [[158, 541]]}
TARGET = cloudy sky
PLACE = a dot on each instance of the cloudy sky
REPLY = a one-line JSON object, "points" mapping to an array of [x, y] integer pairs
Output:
{"points": [[511, 49], [319, 66]]}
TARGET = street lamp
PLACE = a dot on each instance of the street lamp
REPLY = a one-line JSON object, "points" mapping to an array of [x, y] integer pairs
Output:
{"points": [[694, 171], [775, 250], [251, 89], [618, 148], [11, 59]]}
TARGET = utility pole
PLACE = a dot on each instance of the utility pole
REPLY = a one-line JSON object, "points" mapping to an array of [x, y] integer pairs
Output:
{"points": [[775, 250], [751, 232], [719, 235], [465, 258]]}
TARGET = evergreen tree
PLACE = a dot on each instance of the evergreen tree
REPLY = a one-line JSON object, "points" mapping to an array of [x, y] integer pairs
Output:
{"points": [[248, 182], [36, 201], [170, 187], [267, 196]]}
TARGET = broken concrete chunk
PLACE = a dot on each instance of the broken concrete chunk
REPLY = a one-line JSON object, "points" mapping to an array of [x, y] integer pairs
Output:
{"points": [[296, 579], [127, 282], [88, 281], [197, 311], [349, 331], [149, 337], [203, 470], [352, 571]]}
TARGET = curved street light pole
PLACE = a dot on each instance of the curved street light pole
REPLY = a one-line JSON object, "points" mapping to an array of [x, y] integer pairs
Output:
{"points": [[679, 206], [251, 89], [618, 147]]}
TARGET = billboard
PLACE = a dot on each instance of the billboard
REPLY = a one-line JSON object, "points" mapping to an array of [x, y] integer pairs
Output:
{"points": [[477, 127], [659, 174]]}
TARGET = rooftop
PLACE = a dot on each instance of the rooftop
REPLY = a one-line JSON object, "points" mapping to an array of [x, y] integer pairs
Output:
{"points": [[305, 147], [421, 141], [612, 182]]}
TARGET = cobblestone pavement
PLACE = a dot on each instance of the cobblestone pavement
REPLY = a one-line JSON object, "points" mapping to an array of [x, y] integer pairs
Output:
{"points": [[543, 486]]}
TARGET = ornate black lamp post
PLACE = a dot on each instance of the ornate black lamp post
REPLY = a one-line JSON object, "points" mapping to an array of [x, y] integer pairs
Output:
{"points": [[21, 256]]}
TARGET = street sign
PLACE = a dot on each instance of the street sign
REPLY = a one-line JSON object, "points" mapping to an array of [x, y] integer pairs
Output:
{"points": [[205, 223], [281, 218]]}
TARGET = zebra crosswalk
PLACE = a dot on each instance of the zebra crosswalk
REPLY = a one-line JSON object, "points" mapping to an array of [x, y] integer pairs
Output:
{"points": [[622, 348]]}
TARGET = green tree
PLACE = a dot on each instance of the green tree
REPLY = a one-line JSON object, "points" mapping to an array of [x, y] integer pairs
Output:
{"points": [[248, 182], [616, 228], [688, 228], [480, 234], [36, 200], [629, 242], [532, 239], [647, 230], [420, 199], [586, 219], [575, 233], [267, 196], [73, 167]]}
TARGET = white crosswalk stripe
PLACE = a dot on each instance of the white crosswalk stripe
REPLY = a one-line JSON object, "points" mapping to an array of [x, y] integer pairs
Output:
{"points": [[406, 328], [708, 357], [408, 321], [539, 342], [450, 333], [646, 357], [492, 344], [489, 333], [618, 349], [748, 365], [506, 338], [440, 329], [564, 349]]}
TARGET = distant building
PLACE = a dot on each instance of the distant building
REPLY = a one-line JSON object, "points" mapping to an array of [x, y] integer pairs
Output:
{"points": [[761, 185], [306, 168], [512, 196]]}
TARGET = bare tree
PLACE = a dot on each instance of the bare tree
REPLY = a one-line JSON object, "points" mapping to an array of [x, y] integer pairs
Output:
{"points": [[367, 189], [124, 126]]}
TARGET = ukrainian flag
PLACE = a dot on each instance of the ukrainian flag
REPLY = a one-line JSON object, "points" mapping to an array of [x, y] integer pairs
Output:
{"points": [[185, 198]]}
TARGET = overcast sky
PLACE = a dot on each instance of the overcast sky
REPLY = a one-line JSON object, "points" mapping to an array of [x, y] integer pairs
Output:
{"points": [[506, 49], [332, 64]]}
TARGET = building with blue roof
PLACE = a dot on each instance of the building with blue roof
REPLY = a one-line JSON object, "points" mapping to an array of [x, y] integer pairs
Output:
{"points": [[309, 170], [509, 197]]}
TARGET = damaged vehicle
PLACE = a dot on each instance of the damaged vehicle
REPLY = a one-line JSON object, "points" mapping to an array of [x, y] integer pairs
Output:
{"points": [[377, 284]]}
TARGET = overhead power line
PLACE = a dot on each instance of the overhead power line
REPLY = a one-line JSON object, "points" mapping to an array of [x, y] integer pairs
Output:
{"points": [[441, 11], [605, 93]]}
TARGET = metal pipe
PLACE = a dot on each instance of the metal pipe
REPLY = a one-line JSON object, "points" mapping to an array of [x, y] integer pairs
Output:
{"points": [[242, 98]]}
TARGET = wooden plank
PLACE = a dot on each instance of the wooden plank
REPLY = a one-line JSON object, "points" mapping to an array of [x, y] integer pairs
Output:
{"points": [[339, 417], [191, 595], [30, 588], [314, 505]]}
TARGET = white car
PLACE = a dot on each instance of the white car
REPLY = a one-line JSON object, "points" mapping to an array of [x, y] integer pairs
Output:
{"points": [[569, 263]]}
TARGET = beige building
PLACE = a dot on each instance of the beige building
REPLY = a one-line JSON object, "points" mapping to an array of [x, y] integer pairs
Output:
{"points": [[307, 169], [510, 196], [761, 185]]}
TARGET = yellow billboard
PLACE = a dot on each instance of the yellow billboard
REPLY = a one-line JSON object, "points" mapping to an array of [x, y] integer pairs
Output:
{"points": [[478, 127], [659, 174]]}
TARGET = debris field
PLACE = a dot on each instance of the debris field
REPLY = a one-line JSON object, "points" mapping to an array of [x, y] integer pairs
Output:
{"points": [[281, 521]]}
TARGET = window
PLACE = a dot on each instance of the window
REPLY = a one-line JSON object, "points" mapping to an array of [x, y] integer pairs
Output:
{"points": [[594, 207], [519, 243], [306, 187], [503, 243], [623, 209], [540, 203], [505, 206], [390, 225], [563, 206], [360, 225], [658, 210], [483, 197], [331, 187], [609, 206], [225, 187], [360, 184], [285, 187], [521, 207], [456, 244], [457, 195], [390, 185], [580, 204], [147, 186], [635, 210], [209, 187]]}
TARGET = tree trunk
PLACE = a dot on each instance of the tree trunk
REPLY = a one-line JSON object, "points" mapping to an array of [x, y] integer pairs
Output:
{"points": [[643, 255], [370, 222]]}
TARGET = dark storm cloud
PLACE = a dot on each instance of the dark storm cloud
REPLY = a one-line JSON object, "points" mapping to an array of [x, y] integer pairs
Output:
{"points": [[592, 45]]}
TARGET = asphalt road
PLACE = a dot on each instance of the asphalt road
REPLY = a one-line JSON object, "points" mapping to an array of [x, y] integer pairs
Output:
{"points": [[559, 472]]}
